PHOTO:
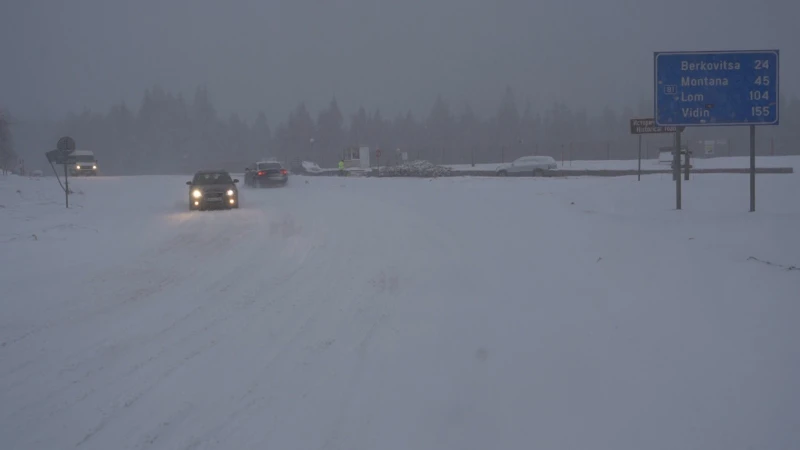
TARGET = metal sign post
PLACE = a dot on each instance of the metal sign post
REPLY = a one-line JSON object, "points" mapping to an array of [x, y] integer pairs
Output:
{"points": [[752, 168], [66, 186], [687, 164], [647, 126], [676, 169], [61, 155], [66, 145], [639, 170], [722, 88]]}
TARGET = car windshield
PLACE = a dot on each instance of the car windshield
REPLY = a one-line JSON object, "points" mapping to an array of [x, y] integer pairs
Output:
{"points": [[84, 158], [268, 165], [212, 178]]}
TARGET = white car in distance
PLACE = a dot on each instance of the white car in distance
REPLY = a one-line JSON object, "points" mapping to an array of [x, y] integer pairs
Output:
{"points": [[528, 165]]}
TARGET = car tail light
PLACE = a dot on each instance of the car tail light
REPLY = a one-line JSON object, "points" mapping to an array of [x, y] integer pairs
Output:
{"points": [[284, 172], [262, 172]]}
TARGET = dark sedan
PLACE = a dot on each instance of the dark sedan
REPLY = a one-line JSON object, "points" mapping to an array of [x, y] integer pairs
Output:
{"points": [[213, 189], [266, 174]]}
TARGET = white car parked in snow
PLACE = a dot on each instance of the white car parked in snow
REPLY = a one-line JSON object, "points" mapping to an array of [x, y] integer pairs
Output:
{"points": [[532, 165]]}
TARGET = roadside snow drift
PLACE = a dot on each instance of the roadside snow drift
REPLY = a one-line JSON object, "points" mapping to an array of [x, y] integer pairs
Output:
{"points": [[698, 162], [346, 313]]}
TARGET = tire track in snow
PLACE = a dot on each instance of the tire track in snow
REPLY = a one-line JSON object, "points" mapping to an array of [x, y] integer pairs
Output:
{"points": [[121, 406], [245, 274], [304, 322], [334, 438], [252, 399], [148, 258], [352, 323], [235, 276]]}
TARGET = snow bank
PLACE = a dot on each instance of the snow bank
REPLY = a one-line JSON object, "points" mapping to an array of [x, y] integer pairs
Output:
{"points": [[736, 162], [309, 166], [452, 313], [423, 169]]}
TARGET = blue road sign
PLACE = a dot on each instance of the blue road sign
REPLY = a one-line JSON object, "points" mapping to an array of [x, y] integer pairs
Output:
{"points": [[716, 88]]}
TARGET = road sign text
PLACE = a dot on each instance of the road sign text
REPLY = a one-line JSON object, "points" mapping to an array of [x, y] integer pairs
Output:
{"points": [[716, 88]]}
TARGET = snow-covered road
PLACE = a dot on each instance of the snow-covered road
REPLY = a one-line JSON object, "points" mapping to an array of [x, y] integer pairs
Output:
{"points": [[453, 313]]}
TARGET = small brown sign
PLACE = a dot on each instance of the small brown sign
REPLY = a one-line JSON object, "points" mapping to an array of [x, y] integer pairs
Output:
{"points": [[648, 126]]}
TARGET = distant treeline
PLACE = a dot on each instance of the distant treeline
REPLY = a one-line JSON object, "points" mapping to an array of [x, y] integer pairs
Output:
{"points": [[169, 134]]}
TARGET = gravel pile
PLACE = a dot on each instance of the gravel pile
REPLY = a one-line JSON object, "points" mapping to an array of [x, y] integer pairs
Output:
{"points": [[422, 169]]}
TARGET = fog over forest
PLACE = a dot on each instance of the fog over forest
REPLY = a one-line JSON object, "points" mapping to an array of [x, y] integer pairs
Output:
{"points": [[187, 82]]}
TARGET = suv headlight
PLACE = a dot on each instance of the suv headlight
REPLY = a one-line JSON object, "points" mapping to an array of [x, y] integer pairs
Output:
{"points": [[196, 193], [230, 192], [94, 167]]}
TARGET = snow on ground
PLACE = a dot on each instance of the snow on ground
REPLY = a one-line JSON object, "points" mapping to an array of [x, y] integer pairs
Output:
{"points": [[457, 313], [722, 162]]}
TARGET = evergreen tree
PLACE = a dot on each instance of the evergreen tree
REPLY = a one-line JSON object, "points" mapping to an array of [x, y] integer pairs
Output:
{"points": [[8, 157], [329, 140]]}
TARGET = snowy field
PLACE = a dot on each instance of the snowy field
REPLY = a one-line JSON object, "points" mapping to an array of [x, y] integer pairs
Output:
{"points": [[722, 162], [456, 313]]}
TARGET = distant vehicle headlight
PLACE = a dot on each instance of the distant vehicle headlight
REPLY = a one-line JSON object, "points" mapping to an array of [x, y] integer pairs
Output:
{"points": [[196, 193], [78, 167], [230, 192], [94, 167]]}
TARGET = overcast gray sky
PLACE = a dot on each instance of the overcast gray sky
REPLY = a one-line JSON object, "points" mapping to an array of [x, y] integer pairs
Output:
{"points": [[60, 56]]}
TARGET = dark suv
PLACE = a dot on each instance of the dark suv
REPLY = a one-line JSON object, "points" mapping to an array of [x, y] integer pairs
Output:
{"points": [[213, 189], [266, 173]]}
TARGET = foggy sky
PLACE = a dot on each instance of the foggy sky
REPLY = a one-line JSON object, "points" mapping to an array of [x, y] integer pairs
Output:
{"points": [[60, 56]]}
